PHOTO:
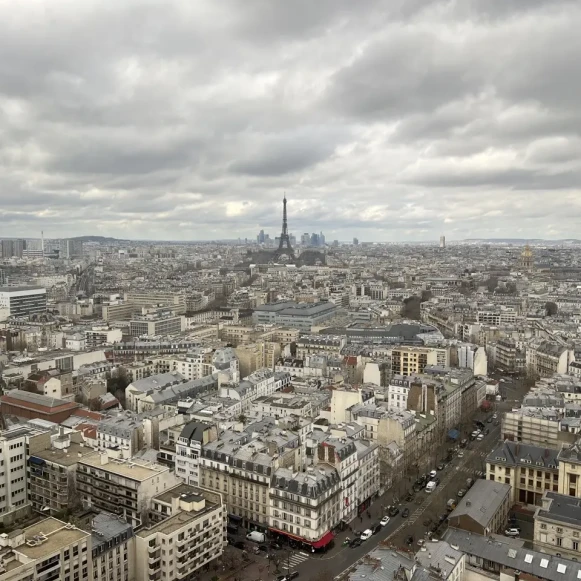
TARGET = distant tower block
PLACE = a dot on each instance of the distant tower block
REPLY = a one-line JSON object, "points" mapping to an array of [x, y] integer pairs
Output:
{"points": [[527, 259], [284, 245], [442, 241]]}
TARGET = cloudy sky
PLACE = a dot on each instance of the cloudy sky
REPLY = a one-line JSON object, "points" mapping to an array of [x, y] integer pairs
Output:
{"points": [[387, 120]]}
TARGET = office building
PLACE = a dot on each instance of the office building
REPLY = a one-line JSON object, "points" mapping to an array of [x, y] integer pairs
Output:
{"points": [[168, 299], [70, 248], [442, 241], [188, 533], [159, 323], [22, 301], [301, 316]]}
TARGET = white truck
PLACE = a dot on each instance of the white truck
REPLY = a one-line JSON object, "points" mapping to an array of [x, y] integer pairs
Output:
{"points": [[256, 537]]}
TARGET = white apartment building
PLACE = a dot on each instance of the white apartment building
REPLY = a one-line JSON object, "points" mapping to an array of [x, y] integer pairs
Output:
{"points": [[547, 358], [112, 549], [121, 487], [123, 432], [13, 474], [398, 391], [188, 533], [192, 438], [306, 506], [263, 382], [344, 398]]}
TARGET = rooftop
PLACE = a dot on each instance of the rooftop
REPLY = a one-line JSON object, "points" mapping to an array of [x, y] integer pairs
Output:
{"points": [[482, 501], [128, 469], [49, 535], [561, 508], [65, 457]]}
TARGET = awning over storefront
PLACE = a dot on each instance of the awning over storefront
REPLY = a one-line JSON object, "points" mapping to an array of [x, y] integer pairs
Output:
{"points": [[289, 535], [323, 541]]}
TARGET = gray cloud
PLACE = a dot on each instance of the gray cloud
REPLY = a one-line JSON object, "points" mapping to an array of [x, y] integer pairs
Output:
{"points": [[388, 121]]}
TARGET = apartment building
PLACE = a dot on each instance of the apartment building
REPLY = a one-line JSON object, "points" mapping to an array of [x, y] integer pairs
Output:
{"points": [[262, 382], [119, 311], [547, 358], [121, 487], [21, 301], [306, 506], [13, 478], [506, 354], [413, 360], [570, 470], [254, 356], [343, 399], [536, 426], [100, 335], [320, 344], [52, 473], [123, 432], [46, 551], [188, 449], [530, 470], [557, 528], [188, 532], [398, 391], [112, 548]]}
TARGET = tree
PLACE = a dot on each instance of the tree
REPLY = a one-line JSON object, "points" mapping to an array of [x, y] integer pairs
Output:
{"points": [[551, 309], [411, 308], [491, 283], [426, 296]]}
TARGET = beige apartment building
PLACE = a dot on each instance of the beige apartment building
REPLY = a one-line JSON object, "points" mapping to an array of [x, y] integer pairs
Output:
{"points": [[121, 487], [188, 531], [256, 356], [413, 360], [48, 550]]}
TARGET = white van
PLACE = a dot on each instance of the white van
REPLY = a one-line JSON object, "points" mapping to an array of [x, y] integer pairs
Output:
{"points": [[431, 486]]}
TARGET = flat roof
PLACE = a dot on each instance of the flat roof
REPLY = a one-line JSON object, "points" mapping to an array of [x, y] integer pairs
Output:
{"points": [[129, 469], [66, 457], [57, 537], [15, 289]]}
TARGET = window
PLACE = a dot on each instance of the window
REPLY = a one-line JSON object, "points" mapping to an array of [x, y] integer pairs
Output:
{"points": [[575, 545]]}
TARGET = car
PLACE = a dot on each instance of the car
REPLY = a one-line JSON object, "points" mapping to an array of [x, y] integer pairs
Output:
{"points": [[513, 532], [436, 480], [420, 542], [443, 517], [494, 415], [384, 521], [460, 454], [489, 420], [393, 511], [461, 492], [441, 466], [366, 534], [275, 546], [288, 576], [486, 432], [480, 437], [410, 496], [406, 512], [355, 543], [463, 443], [497, 423], [432, 474]]}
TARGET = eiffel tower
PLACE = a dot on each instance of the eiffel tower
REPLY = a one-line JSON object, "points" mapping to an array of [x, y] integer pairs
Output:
{"points": [[284, 245]]}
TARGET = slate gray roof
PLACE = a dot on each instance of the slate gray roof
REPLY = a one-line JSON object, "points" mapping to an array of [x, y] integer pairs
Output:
{"points": [[156, 381], [512, 454], [383, 564], [510, 554], [482, 501], [194, 431], [312, 483], [562, 508]]}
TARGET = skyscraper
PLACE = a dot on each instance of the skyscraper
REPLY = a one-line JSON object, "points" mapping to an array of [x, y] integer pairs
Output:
{"points": [[442, 241]]}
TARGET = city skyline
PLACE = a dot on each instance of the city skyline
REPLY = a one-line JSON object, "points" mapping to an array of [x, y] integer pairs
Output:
{"points": [[195, 126]]}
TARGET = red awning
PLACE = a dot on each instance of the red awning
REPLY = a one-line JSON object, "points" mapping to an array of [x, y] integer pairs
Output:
{"points": [[323, 541], [289, 535]]}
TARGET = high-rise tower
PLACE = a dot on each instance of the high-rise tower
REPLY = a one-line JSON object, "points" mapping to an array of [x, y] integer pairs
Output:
{"points": [[284, 245]]}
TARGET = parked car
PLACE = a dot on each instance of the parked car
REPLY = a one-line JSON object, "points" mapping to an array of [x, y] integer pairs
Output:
{"points": [[436, 480], [376, 528], [460, 454], [366, 534], [461, 492], [406, 512], [384, 521], [441, 466], [489, 420], [495, 415], [513, 532], [432, 473], [355, 543], [409, 497], [430, 486], [288, 576], [393, 511], [463, 443]]}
